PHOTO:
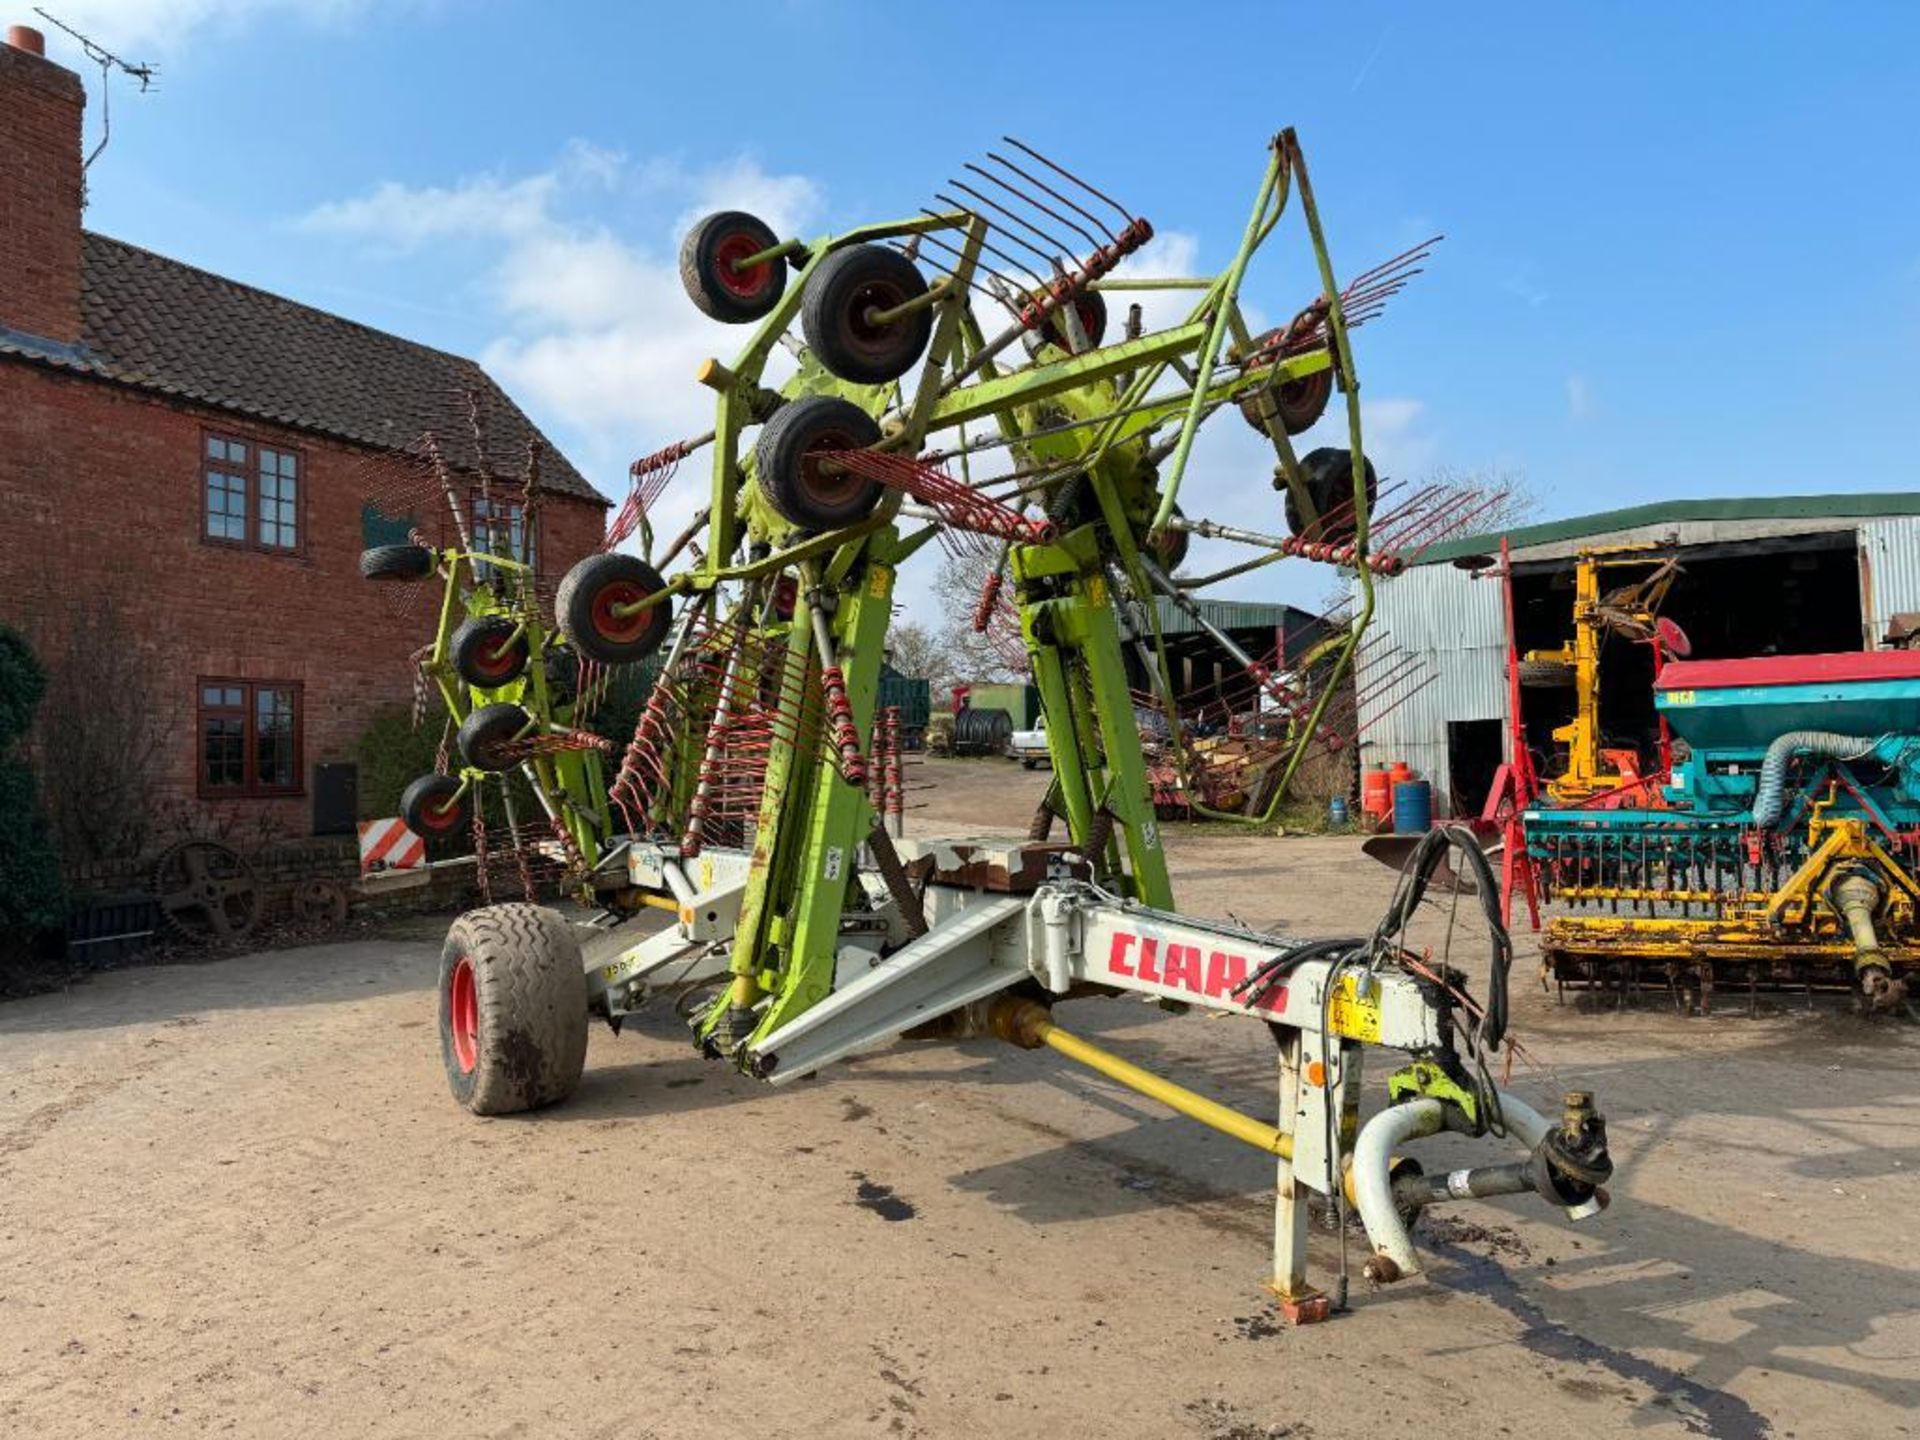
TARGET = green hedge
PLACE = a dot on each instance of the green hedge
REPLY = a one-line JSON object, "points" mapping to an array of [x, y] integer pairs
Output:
{"points": [[393, 754], [32, 897]]}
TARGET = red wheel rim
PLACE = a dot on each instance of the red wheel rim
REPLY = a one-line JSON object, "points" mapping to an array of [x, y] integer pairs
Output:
{"points": [[496, 661], [829, 490], [463, 1016], [443, 816], [749, 283], [619, 629], [866, 337]]}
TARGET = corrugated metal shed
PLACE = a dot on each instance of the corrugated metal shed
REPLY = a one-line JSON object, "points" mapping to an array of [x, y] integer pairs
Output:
{"points": [[1455, 627], [1456, 623], [1759, 514], [1231, 615], [1889, 572]]}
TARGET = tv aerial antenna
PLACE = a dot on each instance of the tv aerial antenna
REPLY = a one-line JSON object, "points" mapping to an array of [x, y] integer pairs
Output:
{"points": [[108, 63]]}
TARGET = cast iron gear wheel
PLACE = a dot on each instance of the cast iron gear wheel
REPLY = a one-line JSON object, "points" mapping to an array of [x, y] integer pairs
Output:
{"points": [[802, 488], [844, 292], [513, 1009], [208, 892], [319, 902]]}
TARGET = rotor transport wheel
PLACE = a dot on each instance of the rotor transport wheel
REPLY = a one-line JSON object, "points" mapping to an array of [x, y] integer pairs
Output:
{"points": [[844, 293], [1298, 404], [710, 257], [208, 892], [1546, 674], [433, 806], [489, 651], [802, 487], [396, 562], [593, 608], [1090, 309], [1329, 473], [484, 736], [513, 1009]]}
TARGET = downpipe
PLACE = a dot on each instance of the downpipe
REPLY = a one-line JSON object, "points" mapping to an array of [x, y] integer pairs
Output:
{"points": [[1567, 1165]]}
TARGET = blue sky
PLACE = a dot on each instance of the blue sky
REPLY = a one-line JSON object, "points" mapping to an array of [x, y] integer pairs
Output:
{"points": [[1683, 252]]}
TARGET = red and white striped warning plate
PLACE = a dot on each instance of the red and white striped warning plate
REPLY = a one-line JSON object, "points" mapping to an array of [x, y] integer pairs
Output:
{"points": [[390, 845]]}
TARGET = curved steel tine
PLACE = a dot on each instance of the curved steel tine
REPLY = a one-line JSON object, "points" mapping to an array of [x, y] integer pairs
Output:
{"points": [[1062, 170], [1032, 275], [1052, 241], [1045, 209], [1080, 210], [1047, 256]]}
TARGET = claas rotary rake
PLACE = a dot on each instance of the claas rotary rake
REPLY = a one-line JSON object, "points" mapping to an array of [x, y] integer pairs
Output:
{"points": [[509, 683], [1054, 442]]}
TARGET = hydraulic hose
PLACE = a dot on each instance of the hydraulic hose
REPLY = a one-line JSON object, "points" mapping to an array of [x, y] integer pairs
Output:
{"points": [[1414, 878], [1770, 799]]}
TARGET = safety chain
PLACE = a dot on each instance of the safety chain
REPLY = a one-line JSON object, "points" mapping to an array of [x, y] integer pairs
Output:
{"points": [[480, 875]]}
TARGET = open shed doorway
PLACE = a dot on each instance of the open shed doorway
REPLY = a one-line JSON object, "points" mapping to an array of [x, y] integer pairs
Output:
{"points": [[1475, 750], [1784, 595]]}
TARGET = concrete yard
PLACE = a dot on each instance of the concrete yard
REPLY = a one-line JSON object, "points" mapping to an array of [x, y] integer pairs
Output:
{"points": [[235, 1198]]}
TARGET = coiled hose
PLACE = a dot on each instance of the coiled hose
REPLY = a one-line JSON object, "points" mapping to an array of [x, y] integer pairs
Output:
{"points": [[1769, 801]]}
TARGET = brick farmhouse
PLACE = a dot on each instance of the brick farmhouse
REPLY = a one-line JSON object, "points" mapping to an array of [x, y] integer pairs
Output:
{"points": [[199, 455]]}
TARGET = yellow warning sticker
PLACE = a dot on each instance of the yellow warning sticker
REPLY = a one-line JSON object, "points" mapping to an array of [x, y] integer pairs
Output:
{"points": [[1354, 1016], [1097, 591], [879, 582]]}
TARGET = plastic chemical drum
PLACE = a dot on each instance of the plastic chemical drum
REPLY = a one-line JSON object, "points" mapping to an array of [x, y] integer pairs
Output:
{"points": [[1412, 807], [1337, 810], [1376, 794]]}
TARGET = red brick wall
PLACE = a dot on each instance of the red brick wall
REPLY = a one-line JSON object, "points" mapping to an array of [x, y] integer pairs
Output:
{"points": [[100, 491], [40, 107]]}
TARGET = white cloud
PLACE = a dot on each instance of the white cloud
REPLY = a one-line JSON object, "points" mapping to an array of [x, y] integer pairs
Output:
{"points": [[1579, 397], [1170, 255], [597, 338], [400, 218]]}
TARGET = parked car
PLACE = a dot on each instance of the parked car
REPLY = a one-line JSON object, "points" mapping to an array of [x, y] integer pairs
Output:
{"points": [[1029, 747]]}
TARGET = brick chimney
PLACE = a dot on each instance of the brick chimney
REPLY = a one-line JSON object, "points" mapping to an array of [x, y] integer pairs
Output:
{"points": [[40, 186]]}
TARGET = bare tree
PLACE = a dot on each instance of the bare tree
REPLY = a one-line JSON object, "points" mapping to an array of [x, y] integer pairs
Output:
{"points": [[915, 653], [967, 654], [1520, 500], [103, 736]]}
